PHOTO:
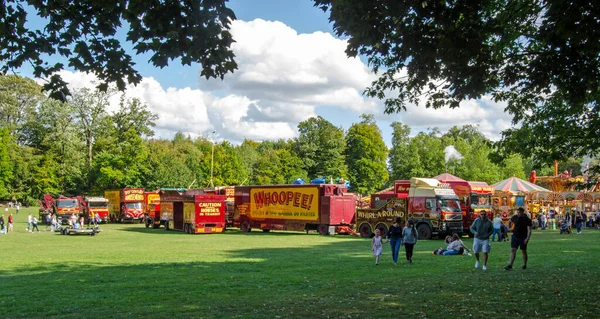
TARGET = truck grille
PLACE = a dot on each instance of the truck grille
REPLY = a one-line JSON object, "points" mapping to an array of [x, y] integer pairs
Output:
{"points": [[454, 217], [454, 227]]}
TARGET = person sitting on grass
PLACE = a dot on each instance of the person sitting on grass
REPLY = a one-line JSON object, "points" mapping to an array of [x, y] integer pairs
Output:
{"points": [[456, 247], [441, 250]]}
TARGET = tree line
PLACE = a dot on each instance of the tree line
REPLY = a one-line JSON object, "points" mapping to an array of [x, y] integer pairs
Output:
{"points": [[76, 147]]}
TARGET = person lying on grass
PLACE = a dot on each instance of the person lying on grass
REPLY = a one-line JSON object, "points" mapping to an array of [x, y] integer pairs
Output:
{"points": [[455, 247]]}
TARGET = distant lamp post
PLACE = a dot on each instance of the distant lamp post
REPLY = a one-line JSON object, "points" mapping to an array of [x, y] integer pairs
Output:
{"points": [[212, 158]]}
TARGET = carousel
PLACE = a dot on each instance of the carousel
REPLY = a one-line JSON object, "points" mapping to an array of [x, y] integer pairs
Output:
{"points": [[562, 197], [513, 192]]}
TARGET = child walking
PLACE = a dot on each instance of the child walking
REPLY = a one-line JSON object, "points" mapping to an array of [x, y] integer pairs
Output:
{"points": [[377, 246]]}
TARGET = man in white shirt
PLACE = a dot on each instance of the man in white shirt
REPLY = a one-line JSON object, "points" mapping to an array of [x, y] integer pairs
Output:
{"points": [[497, 227]]}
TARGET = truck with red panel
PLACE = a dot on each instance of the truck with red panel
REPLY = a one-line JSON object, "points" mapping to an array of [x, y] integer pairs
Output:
{"points": [[151, 209], [192, 211], [94, 206], [433, 207], [65, 207], [322, 207], [126, 204], [229, 192], [474, 197]]}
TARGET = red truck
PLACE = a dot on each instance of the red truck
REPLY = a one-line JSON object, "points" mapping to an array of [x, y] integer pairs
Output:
{"points": [[323, 207], [63, 207], [152, 209], [126, 204], [474, 197], [94, 205], [433, 206], [192, 211]]}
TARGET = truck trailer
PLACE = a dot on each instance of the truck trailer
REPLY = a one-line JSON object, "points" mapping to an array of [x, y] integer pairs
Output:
{"points": [[326, 208], [126, 204], [192, 211]]}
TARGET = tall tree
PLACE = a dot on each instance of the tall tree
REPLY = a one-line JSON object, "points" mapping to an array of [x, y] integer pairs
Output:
{"points": [[60, 137], [19, 97], [538, 56], [476, 164], [123, 162], [90, 108], [248, 154], [400, 159], [366, 155], [321, 146], [85, 34], [6, 164]]}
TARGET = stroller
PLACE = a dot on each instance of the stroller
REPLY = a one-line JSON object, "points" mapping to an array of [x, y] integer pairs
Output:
{"points": [[564, 228]]}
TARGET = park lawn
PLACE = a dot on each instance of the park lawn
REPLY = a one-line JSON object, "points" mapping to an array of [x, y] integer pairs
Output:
{"points": [[128, 271]]}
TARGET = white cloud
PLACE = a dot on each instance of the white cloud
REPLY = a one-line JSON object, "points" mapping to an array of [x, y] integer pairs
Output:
{"points": [[285, 78]]}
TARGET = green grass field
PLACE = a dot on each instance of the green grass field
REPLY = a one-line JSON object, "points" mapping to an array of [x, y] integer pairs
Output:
{"points": [[128, 271]]}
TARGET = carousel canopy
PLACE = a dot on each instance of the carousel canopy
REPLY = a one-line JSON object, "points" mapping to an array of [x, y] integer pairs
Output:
{"points": [[447, 177], [517, 185]]}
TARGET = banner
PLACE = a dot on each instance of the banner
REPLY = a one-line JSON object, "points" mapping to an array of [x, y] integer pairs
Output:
{"points": [[294, 203]]}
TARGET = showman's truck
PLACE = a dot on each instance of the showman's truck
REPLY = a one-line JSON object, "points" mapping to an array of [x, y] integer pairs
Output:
{"points": [[126, 204], [192, 211], [433, 207], [474, 197], [326, 208]]}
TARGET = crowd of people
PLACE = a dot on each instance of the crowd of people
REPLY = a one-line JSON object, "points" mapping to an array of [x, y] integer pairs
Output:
{"points": [[50, 221], [482, 229]]}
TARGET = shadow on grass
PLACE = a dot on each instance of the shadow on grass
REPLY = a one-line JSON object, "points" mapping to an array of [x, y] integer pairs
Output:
{"points": [[327, 277]]}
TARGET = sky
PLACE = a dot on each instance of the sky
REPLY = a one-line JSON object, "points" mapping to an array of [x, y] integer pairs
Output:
{"points": [[291, 67]]}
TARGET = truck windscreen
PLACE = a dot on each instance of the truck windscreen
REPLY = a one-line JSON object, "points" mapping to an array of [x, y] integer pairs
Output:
{"points": [[137, 205], [66, 203], [98, 204], [449, 204]]}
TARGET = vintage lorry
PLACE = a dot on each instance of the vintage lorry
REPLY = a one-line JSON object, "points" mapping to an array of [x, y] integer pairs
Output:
{"points": [[125, 205], [474, 197], [93, 206], [192, 211], [151, 209], [433, 207], [326, 208], [63, 207]]}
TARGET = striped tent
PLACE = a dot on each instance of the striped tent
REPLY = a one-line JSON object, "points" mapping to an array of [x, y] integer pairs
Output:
{"points": [[517, 185]]}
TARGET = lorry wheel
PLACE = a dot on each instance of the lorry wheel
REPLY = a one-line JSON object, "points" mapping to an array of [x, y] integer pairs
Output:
{"points": [[324, 229], [245, 226], [365, 231], [266, 230], [424, 231], [148, 223], [383, 229]]}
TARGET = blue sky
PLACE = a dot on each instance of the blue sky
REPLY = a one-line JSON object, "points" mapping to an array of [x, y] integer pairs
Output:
{"points": [[291, 67]]}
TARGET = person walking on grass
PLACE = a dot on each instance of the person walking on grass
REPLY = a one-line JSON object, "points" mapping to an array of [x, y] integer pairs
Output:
{"points": [[29, 219], [482, 228], [497, 227], [394, 236], [520, 237], [409, 237], [34, 224], [377, 245], [578, 221], [10, 223]]}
